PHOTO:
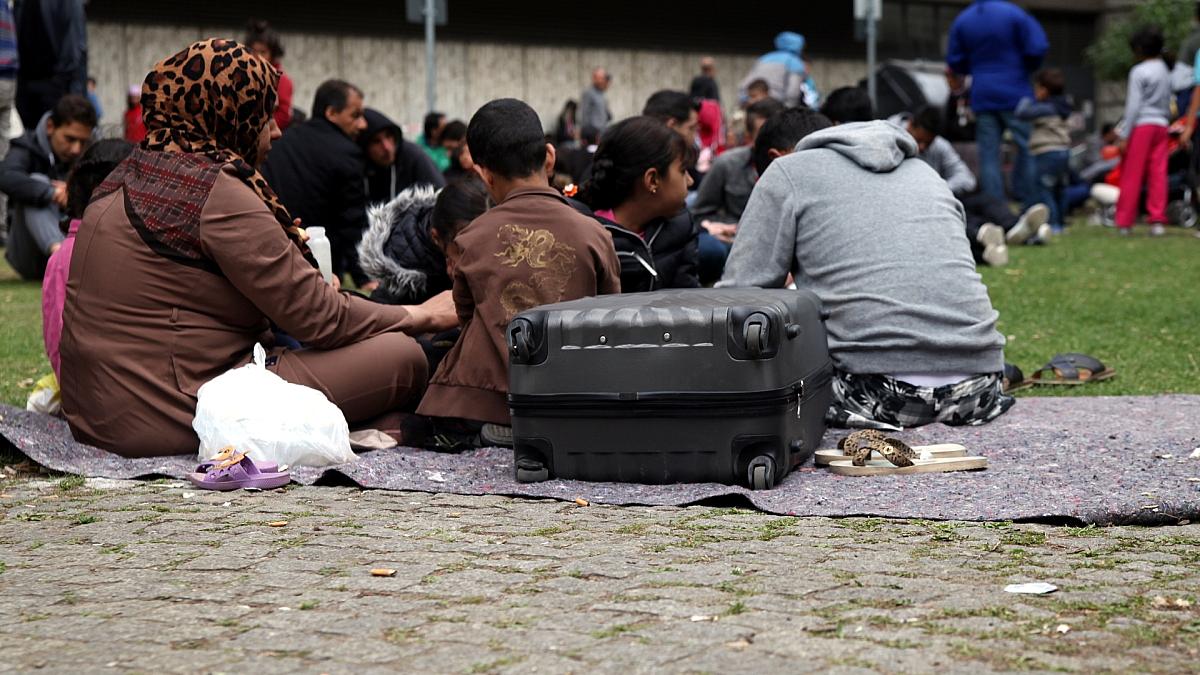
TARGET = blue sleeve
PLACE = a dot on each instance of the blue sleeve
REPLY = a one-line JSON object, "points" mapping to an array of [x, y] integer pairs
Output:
{"points": [[1034, 44], [956, 57], [1031, 108]]}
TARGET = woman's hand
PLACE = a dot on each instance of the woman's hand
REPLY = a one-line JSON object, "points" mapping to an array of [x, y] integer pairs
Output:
{"points": [[435, 315]]}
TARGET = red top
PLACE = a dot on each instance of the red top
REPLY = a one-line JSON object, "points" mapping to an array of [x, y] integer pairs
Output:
{"points": [[283, 109], [135, 130]]}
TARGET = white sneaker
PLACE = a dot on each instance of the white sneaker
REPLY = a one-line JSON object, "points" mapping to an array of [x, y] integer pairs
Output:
{"points": [[995, 255], [990, 234], [1157, 230], [1044, 233], [1028, 224]]}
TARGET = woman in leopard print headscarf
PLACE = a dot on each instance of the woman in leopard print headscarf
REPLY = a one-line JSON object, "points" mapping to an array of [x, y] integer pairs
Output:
{"points": [[185, 258], [215, 99]]}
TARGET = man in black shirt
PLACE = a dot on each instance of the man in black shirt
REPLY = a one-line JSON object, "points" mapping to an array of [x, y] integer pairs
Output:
{"points": [[317, 170]]}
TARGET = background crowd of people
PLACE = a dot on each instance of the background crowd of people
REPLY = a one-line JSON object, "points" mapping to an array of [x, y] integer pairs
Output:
{"points": [[453, 233]]}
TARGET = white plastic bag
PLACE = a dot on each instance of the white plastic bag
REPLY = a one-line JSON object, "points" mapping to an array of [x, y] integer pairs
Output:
{"points": [[270, 419]]}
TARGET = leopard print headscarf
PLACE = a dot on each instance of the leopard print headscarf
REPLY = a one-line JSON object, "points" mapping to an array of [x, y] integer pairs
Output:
{"points": [[210, 100]]}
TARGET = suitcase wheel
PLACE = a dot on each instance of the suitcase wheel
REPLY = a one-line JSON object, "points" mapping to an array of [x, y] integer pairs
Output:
{"points": [[755, 339], [531, 471], [761, 473]]}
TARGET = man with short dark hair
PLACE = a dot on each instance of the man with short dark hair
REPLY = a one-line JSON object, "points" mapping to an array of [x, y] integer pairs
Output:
{"points": [[430, 139], [848, 104], [757, 90], [675, 109], [317, 171], [858, 219], [393, 164], [34, 174], [532, 248], [454, 142]]}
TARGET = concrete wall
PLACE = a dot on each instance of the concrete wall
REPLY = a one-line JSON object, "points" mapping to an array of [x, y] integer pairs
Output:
{"points": [[392, 71]]}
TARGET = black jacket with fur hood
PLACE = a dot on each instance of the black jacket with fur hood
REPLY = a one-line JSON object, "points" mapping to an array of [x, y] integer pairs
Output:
{"points": [[397, 250]]}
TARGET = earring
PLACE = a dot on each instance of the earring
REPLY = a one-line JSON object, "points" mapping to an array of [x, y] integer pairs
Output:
{"points": [[653, 191]]}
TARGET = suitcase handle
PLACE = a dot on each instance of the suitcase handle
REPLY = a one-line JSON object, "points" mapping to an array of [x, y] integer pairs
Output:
{"points": [[519, 340]]}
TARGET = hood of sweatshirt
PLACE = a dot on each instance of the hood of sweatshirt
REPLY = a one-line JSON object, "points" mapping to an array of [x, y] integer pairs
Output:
{"points": [[377, 122], [42, 138], [788, 41], [876, 146]]}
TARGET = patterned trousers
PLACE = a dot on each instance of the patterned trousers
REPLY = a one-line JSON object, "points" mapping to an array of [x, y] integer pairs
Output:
{"points": [[882, 402]]}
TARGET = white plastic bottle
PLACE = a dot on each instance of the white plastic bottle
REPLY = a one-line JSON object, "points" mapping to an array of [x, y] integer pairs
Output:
{"points": [[318, 243]]}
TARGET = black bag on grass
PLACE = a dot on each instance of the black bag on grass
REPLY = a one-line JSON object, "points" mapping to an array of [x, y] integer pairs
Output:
{"points": [[672, 386]]}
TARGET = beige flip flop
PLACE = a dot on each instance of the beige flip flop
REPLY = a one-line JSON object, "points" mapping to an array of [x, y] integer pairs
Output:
{"points": [[882, 467], [940, 450], [897, 457]]}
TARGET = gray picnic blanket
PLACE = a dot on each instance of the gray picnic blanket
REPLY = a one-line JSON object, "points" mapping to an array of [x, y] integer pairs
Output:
{"points": [[1111, 460]]}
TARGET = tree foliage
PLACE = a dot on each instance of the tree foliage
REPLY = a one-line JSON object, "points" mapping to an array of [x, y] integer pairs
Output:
{"points": [[1110, 54]]}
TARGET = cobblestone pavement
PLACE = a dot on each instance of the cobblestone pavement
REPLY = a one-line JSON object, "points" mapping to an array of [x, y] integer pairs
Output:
{"points": [[156, 577]]}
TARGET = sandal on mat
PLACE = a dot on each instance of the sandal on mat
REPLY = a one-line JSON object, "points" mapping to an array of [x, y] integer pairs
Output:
{"points": [[1013, 379], [237, 472], [899, 458], [1072, 368], [826, 457], [227, 452]]}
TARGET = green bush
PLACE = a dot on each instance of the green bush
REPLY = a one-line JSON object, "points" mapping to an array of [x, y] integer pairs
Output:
{"points": [[1111, 55]]}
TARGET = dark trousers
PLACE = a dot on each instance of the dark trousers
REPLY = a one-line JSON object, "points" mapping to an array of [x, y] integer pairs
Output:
{"points": [[35, 97], [1052, 177], [980, 208]]}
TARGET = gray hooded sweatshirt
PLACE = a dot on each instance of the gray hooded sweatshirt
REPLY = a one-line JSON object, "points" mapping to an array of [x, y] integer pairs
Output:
{"points": [[878, 236]]}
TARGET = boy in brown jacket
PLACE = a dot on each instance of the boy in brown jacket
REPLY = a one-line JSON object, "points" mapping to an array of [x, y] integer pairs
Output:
{"points": [[531, 249]]}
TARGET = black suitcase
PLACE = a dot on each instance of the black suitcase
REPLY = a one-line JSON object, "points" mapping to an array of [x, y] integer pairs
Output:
{"points": [[691, 385]]}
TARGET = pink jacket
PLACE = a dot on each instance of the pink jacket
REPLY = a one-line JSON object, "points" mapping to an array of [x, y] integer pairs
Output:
{"points": [[54, 294]]}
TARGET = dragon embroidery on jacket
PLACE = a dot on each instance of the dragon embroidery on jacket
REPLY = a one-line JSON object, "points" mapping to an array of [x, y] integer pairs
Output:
{"points": [[552, 262]]}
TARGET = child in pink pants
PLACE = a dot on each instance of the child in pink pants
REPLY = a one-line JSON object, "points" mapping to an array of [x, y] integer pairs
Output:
{"points": [[92, 168], [1144, 134]]}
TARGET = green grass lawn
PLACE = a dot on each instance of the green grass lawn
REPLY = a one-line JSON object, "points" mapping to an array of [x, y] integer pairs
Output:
{"points": [[1133, 303]]}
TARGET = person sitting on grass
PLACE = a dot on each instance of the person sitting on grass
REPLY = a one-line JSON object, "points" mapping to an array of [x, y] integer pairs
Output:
{"points": [[33, 176], [185, 259], [911, 330], [991, 225], [90, 171], [637, 190], [530, 249]]}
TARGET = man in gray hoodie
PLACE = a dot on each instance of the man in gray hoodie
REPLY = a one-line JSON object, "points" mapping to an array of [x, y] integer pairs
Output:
{"points": [[911, 329]]}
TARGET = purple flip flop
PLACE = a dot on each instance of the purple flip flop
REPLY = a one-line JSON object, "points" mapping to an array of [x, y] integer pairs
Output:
{"points": [[265, 467], [239, 472]]}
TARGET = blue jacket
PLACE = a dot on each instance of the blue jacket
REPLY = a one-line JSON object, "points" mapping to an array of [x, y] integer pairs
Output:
{"points": [[999, 45]]}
